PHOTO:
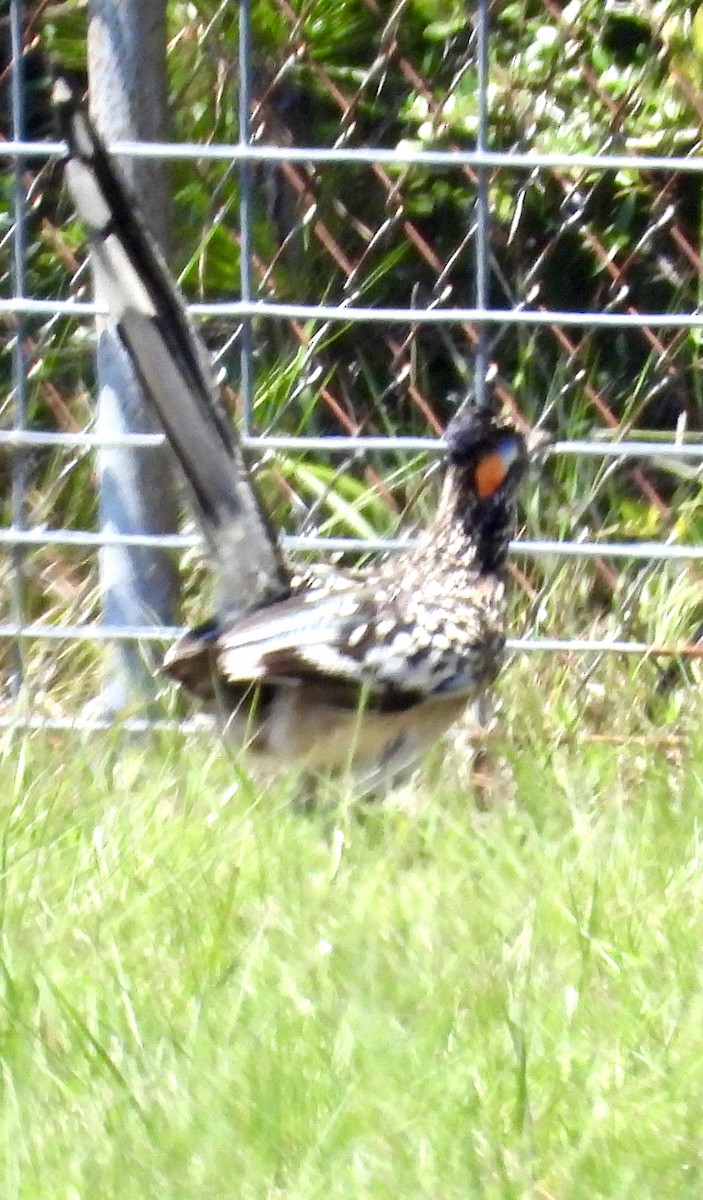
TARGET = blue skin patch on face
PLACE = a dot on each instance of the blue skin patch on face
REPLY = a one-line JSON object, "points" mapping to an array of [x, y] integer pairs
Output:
{"points": [[509, 449]]}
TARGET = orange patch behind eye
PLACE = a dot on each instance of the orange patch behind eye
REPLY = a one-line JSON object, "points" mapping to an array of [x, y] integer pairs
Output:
{"points": [[490, 473]]}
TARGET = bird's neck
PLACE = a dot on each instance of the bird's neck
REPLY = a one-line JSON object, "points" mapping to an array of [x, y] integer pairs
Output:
{"points": [[475, 534]]}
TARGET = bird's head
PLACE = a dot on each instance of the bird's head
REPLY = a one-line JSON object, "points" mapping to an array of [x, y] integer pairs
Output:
{"points": [[487, 459], [489, 454]]}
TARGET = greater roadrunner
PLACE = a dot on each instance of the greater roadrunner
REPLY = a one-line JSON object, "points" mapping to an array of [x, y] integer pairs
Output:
{"points": [[328, 669]]}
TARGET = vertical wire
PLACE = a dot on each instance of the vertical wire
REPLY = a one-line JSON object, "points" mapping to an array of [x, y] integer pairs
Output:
{"points": [[245, 215], [481, 234], [482, 214], [19, 363]]}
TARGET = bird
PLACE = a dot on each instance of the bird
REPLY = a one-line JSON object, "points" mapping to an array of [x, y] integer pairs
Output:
{"points": [[325, 670], [364, 671]]}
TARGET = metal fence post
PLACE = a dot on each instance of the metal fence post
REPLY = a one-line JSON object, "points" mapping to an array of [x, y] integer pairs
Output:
{"points": [[128, 99], [19, 361]]}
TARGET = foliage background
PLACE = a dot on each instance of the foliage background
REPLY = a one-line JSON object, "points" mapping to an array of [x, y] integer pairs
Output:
{"points": [[580, 77]]}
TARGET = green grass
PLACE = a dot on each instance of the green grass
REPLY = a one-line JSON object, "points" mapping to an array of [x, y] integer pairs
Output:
{"points": [[206, 994]]}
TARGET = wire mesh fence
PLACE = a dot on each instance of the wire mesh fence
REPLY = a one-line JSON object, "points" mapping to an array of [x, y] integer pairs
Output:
{"points": [[520, 194]]}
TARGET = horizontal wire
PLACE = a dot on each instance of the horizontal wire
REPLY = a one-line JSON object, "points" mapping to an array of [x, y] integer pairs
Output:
{"points": [[529, 548], [92, 538], [145, 725], [204, 725], [93, 632], [345, 444], [404, 154], [80, 724], [36, 438], [90, 632], [239, 309]]}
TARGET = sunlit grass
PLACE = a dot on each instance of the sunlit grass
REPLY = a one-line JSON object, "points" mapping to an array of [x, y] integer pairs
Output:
{"points": [[207, 994]]}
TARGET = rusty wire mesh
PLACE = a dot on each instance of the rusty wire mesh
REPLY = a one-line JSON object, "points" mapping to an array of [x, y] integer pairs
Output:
{"points": [[362, 204]]}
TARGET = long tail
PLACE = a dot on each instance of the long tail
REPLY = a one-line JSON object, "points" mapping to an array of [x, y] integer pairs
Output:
{"points": [[172, 362]]}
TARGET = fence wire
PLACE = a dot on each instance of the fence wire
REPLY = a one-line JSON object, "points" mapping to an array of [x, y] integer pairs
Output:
{"points": [[573, 272]]}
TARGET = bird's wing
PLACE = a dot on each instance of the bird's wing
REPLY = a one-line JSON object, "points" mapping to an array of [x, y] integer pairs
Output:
{"points": [[344, 640], [310, 635], [172, 362]]}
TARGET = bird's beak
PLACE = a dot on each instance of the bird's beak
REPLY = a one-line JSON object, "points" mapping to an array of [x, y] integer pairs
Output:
{"points": [[538, 443]]}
